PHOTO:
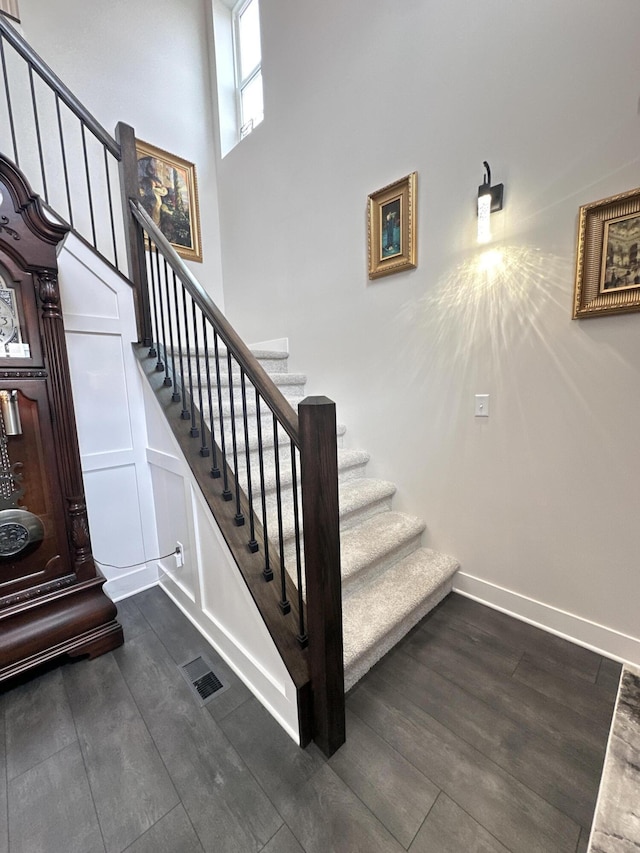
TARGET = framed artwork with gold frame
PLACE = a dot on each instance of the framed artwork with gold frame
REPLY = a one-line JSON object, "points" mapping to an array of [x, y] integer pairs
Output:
{"points": [[168, 191], [391, 215], [10, 9], [608, 257]]}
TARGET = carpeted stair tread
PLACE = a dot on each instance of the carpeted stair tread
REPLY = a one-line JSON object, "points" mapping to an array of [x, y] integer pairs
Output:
{"points": [[279, 379], [380, 613], [252, 431], [375, 543], [358, 495], [357, 499], [351, 463]]}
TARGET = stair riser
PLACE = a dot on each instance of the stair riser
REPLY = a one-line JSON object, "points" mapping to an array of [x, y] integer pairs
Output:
{"points": [[269, 365], [280, 378], [345, 475], [293, 393], [377, 568], [350, 520], [374, 653]]}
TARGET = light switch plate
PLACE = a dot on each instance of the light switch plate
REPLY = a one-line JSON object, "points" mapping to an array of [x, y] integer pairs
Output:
{"points": [[482, 406]]}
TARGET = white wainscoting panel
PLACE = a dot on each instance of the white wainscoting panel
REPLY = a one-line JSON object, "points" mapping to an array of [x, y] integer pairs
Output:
{"points": [[209, 588], [100, 327]]}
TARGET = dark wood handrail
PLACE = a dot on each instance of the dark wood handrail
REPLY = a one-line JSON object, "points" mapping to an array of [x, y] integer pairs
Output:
{"points": [[254, 371], [64, 93]]}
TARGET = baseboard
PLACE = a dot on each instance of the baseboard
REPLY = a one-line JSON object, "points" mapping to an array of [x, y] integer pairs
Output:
{"points": [[605, 641], [130, 582]]}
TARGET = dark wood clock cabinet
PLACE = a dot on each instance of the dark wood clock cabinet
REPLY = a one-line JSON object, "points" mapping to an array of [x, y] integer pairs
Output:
{"points": [[51, 597]]}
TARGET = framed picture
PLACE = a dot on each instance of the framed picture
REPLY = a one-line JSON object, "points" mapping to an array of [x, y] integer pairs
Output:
{"points": [[608, 257], [169, 193], [10, 9], [392, 223]]}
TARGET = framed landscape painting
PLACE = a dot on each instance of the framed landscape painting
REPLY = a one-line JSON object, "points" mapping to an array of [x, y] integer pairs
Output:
{"points": [[168, 191], [608, 257], [391, 215]]}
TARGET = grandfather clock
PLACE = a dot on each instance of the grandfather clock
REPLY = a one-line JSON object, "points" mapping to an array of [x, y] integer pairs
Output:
{"points": [[51, 597]]}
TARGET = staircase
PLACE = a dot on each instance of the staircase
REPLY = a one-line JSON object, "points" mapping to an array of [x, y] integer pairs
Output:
{"points": [[389, 581], [267, 475]]}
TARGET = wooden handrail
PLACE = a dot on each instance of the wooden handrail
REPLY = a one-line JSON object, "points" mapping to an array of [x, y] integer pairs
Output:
{"points": [[254, 371], [14, 38]]}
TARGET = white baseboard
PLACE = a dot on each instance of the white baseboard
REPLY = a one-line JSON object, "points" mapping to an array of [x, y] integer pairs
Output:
{"points": [[129, 583], [591, 635]]}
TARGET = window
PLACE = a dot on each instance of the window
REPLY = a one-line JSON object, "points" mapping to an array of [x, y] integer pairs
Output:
{"points": [[248, 65]]}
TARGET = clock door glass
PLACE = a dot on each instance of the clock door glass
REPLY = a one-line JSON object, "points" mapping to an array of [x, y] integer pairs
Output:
{"points": [[32, 540], [11, 343]]}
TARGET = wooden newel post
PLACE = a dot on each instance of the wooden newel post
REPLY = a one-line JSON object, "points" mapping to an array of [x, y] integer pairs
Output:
{"points": [[126, 138], [319, 475]]}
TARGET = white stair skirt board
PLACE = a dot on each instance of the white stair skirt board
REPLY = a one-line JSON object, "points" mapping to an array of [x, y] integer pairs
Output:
{"points": [[389, 582]]}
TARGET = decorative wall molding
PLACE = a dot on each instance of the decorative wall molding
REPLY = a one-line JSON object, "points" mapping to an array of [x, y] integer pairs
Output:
{"points": [[100, 327]]}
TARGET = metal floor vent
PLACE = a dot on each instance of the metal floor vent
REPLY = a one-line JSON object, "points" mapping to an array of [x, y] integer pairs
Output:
{"points": [[202, 680]]}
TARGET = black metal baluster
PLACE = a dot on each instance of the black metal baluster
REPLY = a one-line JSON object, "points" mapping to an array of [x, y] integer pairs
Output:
{"points": [[284, 603], [38, 137], [204, 450], [162, 340], [303, 639], [172, 353], [215, 470], [153, 352], [226, 492], [252, 544], [89, 193], [9, 108], [110, 200], [64, 161], [191, 412], [267, 572], [239, 517], [176, 394]]}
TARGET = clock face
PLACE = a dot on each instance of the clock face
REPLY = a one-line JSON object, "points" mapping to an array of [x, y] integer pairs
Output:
{"points": [[9, 322]]}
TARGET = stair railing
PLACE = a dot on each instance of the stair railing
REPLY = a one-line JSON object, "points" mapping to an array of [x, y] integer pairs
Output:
{"points": [[238, 420], [217, 386], [46, 129]]}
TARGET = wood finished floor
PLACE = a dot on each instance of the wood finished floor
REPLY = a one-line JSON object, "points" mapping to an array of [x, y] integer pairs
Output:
{"points": [[477, 734]]}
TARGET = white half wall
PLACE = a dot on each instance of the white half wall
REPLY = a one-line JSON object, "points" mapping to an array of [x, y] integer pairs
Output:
{"points": [[541, 499], [209, 588], [100, 326]]}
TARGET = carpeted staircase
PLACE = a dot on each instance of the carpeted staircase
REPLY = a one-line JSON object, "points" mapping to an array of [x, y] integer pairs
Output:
{"points": [[389, 581]]}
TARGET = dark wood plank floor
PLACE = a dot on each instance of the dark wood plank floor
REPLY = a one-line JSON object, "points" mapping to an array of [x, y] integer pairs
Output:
{"points": [[477, 734]]}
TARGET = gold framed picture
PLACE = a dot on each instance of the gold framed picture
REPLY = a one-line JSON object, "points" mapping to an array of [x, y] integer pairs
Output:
{"points": [[391, 214], [608, 257], [168, 191]]}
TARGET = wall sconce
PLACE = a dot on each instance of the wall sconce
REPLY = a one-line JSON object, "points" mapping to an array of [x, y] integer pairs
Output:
{"points": [[489, 201]]}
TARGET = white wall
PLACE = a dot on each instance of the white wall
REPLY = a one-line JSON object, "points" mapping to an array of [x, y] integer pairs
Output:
{"points": [[99, 328], [145, 63], [540, 502]]}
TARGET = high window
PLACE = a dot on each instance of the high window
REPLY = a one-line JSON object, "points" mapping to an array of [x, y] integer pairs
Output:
{"points": [[248, 65]]}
